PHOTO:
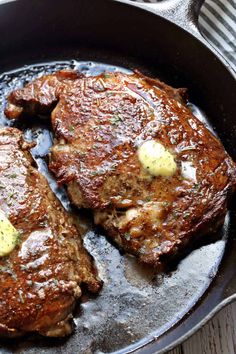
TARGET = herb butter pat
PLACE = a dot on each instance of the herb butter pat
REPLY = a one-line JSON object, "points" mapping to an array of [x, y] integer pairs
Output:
{"points": [[156, 159], [8, 235]]}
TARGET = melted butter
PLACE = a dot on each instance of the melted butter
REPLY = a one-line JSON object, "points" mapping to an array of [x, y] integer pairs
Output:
{"points": [[8, 235], [156, 159]]}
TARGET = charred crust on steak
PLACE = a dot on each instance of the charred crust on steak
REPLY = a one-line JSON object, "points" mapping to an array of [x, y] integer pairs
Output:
{"points": [[41, 279], [99, 122]]}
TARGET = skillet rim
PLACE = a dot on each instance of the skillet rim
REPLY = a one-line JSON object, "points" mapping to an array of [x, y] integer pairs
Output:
{"points": [[231, 298]]}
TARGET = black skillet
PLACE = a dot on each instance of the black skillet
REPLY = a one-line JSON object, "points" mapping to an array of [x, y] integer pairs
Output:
{"points": [[137, 310]]}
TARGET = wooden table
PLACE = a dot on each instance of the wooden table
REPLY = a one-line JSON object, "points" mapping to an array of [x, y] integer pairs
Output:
{"points": [[218, 336]]}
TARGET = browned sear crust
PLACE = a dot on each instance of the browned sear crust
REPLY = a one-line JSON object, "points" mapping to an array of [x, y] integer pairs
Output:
{"points": [[40, 279], [99, 123]]}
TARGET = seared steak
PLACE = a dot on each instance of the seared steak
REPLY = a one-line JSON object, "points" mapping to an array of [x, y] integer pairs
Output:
{"points": [[40, 279], [100, 124]]}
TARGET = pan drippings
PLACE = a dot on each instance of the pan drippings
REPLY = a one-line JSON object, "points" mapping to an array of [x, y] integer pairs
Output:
{"points": [[135, 302]]}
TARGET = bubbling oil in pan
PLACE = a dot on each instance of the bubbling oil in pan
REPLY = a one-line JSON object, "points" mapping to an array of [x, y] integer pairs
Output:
{"points": [[135, 301]]}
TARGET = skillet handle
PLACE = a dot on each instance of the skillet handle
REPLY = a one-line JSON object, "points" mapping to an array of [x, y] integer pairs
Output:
{"points": [[182, 12]]}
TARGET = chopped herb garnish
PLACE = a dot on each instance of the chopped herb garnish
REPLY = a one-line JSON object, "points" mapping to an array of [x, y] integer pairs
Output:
{"points": [[18, 238], [113, 167], [186, 215], [14, 175], [55, 281], [196, 187], [94, 173], [116, 119], [24, 267], [127, 236], [175, 214]]}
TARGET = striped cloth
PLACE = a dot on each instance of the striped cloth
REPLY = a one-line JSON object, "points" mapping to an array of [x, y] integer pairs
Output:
{"points": [[217, 22]]}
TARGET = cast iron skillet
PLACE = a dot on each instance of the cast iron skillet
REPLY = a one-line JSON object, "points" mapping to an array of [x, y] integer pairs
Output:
{"points": [[161, 40]]}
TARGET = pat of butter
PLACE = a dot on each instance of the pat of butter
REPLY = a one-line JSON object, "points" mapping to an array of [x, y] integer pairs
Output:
{"points": [[156, 159], [8, 235]]}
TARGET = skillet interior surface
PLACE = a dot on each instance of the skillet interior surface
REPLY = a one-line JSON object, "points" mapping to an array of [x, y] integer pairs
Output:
{"points": [[135, 304]]}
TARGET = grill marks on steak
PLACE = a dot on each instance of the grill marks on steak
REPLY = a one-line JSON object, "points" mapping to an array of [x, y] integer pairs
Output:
{"points": [[99, 123], [40, 279]]}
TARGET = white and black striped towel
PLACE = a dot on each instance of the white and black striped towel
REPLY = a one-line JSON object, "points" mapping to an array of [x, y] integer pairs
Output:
{"points": [[217, 22]]}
